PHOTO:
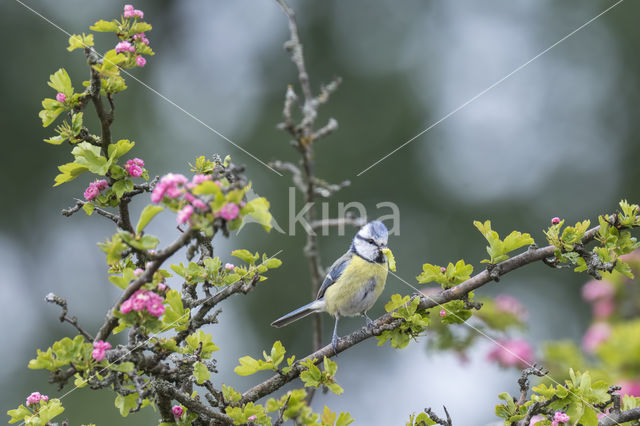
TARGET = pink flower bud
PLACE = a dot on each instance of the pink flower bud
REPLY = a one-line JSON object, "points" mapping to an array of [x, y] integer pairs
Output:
{"points": [[138, 272], [177, 411], [126, 306], [560, 417], [101, 184], [229, 266], [128, 7], [61, 97], [443, 269], [162, 286], [443, 312], [140, 61], [252, 418], [555, 220], [138, 14]]}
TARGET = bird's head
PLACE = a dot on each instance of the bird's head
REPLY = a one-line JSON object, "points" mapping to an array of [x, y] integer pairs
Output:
{"points": [[370, 240]]}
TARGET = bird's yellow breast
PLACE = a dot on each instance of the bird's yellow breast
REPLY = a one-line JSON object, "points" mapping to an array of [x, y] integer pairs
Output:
{"points": [[357, 288]]}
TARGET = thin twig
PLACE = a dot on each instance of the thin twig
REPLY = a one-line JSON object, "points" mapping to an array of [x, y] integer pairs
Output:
{"points": [[52, 298]]}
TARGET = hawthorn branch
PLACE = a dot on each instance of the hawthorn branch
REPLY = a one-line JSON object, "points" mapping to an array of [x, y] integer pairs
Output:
{"points": [[147, 276], [52, 298], [165, 388], [387, 322], [616, 418], [433, 416], [79, 203]]}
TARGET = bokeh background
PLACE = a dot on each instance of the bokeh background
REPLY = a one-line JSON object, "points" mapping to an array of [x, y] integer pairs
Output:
{"points": [[557, 138]]}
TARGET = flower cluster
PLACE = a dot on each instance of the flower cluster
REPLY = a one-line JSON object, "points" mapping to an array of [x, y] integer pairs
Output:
{"points": [[596, 334], [601, 294], [512, 353], [94, 189], [127, 46], [36, 397], [143, 300], [511, 305], [131, 12], [559, 417], [174, 186], [99, 348], [135, 167]]}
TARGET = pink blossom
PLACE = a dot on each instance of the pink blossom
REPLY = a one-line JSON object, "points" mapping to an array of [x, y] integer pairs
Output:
{"points": [[36, 397], [198, 179], [252, 418], [629, 387], [603, 308], [128, 7], [61, 97], [229, 211], [91, 192], [155, 307], [169, 185], [138, 14], [139, 300], [443, 312], [141, 37], [177, 411], [101, 184], [229, 266], [126, 306], [140, 61], [138, 272], [443, 269], [559, 417], [125, 46], [162, 286], [535, 419], [595, 335], [555, 220], [99, 348], [512, 353], [597, 289], [134, 170], [195, 201], [136, 161], [184, 214], [511, 305]]}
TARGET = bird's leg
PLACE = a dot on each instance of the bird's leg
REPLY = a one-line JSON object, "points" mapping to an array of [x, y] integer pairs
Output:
{"points": [[368, 320], [334, 339]]}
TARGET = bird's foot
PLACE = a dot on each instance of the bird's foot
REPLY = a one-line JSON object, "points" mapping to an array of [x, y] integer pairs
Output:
{"points": [[368, 320], [334, 344]]}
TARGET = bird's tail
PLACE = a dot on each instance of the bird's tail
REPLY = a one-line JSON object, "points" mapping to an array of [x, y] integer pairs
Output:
{"points": [[308, 309]]}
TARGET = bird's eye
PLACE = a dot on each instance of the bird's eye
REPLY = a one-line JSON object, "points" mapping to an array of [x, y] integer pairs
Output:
{"points": [[370, 241]]}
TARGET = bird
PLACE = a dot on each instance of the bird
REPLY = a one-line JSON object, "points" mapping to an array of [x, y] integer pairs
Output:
{"points": [[354, 281]]}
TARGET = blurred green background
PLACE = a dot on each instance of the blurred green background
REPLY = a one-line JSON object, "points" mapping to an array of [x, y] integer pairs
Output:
{"points": [[557, 138]]}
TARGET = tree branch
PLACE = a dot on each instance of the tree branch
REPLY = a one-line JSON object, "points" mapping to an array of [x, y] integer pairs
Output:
{"points": [[147, 276], [387, 322], [612, 419], [52, 298]]}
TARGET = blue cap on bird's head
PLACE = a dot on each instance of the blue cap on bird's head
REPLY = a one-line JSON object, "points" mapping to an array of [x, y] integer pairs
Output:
{"points": [[375, 233]]}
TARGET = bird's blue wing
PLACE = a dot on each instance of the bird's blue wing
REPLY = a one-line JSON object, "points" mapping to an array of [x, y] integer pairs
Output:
{"points": [[334, 272]]}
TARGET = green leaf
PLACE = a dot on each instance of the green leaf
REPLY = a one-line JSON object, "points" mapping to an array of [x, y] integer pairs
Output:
{"points": [[140, 27], [61, 82], [80, 41], [69, 172], [200, 372], [122, 186], [123, 367], [272, 263], [56, 140], [76, 123], [119, 148], [104, 26], [52, 109], [126, 403], [230, 394], [147, 214], [497, 248], [258, 210], [88, 208], [90, 156], [196, 339], [248, 366], [246, 256], [175, 315]]}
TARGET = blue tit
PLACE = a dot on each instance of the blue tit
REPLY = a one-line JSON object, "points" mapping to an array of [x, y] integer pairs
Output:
{"points": [[354, 281]]}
